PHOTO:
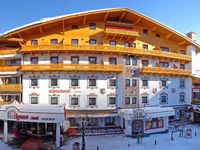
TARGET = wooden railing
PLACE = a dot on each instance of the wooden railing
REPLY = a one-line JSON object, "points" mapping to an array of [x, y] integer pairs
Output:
{"points": [[105, 49], [9, 68], [9, 51], [5, 102], [72, 67], [165, 71], [10, 87]]}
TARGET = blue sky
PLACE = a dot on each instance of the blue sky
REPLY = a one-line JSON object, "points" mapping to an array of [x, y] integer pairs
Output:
{"points": [[181, 15]]}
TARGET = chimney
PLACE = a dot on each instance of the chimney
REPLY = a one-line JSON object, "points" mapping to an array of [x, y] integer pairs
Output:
{"points": [[191, 35]]}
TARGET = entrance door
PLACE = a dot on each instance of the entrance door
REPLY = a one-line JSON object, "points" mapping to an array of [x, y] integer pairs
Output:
{"points": [[137, 126]]}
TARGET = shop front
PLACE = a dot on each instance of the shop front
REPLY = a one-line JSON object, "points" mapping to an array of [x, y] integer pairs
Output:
{"points": [[34, 120], [145, 120]]}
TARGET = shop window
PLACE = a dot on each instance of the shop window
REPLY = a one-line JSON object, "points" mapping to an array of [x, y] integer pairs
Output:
{"points": [[127, 100], [34, 100], [112, 43], [145, 62], [34, 60], [92, 82], [34, 42], [54, 100], [127, 83], [54, 41], [113, 61], [54, 60], [93, 41], [34, 82], [112, 82], [92, 60], [74, 41], [92, 26], [74, 59], [144, 99], [74, 101], [154, 123], [74, 82], [54, 82], [144, 46], [92, 101], [112, 100], [144, 82]]}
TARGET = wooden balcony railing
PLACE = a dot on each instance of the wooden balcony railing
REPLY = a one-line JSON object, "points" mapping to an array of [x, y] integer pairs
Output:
{"points": [[9, 51], [105, 49], [165, 71], [11, 87], [72, 67], [9, 68], [5, 102]]}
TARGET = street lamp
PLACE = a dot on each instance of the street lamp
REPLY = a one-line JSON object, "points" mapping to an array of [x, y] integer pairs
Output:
{"points": [[83, 134]]}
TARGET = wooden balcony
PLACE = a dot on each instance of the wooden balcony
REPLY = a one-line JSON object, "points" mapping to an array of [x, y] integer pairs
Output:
{"points": [[105, 49], [165, 71], [72, 68], [11, 87], [9, 51], [5, 103], [9, 68]]}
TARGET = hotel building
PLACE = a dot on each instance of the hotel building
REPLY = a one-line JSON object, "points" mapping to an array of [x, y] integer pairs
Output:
{"points": [[111, 66]]}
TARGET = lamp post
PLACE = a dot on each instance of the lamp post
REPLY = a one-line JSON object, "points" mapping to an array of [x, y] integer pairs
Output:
{"points": [[83, 134]]}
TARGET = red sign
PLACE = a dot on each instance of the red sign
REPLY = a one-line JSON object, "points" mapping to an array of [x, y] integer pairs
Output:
{"points": [[59, 91]]}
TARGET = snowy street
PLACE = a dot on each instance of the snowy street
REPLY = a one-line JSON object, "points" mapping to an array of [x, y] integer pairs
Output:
{"points": [[121, 142]]}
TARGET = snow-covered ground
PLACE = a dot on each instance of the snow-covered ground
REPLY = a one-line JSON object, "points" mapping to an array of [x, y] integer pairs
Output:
{"points": [[121, 142]]}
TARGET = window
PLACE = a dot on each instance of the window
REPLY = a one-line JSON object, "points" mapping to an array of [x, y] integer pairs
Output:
{"points": [[92, 101], [182, 97], [144, 99], [54, 60], [112, 100], [34, 60], [54, 100], [109, 121], [92, 41], [75, 27], [74, 82], [182, 52], [113, 61], [74, 59], [34, 42], [164, 83], [74, 41], [13, 62], [164, 49], [144, 46], [127, 83], [163, 99], [113, 43], [145, 62], [182, 66], [92, 60], [127, 100], [144, 82], [127, 61], [126, 44], [182, 84], [134, 62], [34, 82], [92, 82], [158, 35], [74, 101], [134, 82], [134, 100], [92, 26], [34, 100], [164, 64], [54, 82], [112, 82], [54, 41], [145, 31], [11, 80], [134, 45]]}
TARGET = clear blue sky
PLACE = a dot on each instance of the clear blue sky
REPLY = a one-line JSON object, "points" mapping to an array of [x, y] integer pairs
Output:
{"points": [[181, 15]]}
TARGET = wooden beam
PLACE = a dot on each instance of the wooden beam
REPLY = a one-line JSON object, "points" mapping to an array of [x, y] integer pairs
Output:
{"points": [[106, 16], [168, 36], [122, 16], [20, 35], [153, 29], [182, 43], [84, 19], [137, 21], [41, 31], [63, 26]]}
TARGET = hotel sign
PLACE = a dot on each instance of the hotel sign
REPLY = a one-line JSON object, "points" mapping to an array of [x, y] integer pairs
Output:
{"points": [[59, 91]]}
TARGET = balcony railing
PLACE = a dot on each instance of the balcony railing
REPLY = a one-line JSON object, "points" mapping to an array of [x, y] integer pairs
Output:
{"points": [[72, 67], [9, 68], [5, 102], [11, 87], [9, 51], [105, 49], [165, 71], [196, 101]]}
